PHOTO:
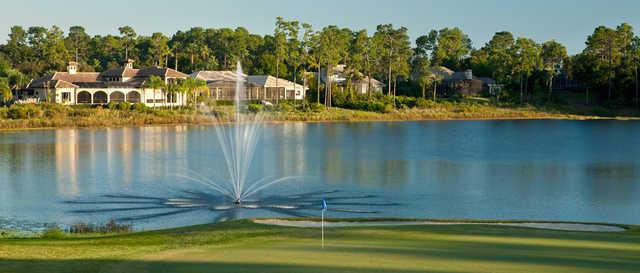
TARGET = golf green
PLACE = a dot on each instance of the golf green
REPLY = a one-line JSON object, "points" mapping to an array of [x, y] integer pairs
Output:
{"points": [[244, 246]]}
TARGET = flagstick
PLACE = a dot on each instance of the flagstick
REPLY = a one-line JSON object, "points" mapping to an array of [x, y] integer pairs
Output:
{"points": [[322, 226]]}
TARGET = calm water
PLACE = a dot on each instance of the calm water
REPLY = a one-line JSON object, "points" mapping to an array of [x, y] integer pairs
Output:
{"points": [[551, 170]]}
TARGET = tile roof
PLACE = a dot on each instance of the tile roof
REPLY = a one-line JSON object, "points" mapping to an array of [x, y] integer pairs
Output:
{"points": [[214, 76], [270, 81], [124, 72], [137, 77], [66, 77]]}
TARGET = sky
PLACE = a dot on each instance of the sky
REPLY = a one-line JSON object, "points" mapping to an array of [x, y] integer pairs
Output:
{"points": [[567, 21]]}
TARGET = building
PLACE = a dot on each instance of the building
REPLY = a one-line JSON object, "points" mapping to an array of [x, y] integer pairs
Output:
{"points": [[222, 86], [463, 83], [124, 84], [362, 84]]}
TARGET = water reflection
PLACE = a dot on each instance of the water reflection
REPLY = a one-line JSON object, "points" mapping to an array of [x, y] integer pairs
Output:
{"points": [[139, 207], [585, 171]]}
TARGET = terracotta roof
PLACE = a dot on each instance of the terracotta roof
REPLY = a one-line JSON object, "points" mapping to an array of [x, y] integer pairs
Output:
{"points": [[66, 77], [77, 77], [98, 80]]}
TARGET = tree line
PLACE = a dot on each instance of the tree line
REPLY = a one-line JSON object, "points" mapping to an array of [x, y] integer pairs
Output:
{"points": [[607, 67]]}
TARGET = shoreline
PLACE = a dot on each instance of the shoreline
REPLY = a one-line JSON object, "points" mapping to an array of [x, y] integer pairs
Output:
{"points": [[547, 225], [315, 222], [567, 117]]}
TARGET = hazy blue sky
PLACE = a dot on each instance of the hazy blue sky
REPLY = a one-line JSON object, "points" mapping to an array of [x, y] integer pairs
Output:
{"points": [[568, 21]]}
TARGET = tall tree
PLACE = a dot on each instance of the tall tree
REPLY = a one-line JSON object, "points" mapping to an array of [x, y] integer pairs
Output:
{"points": [[394, 51], [128, 36], [314, 56], [495, 58], [77, 42], [636, 62], [360, 51], [448, 47], [420, 71], [16, 49], [526, 55], [54, 51], [332, 47], [279, 41], [604, 55], [5, 91], [553, 54], [159, 49], [306, 46]]}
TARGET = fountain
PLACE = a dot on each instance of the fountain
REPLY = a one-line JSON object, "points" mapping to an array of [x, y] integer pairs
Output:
{"points": [[238, 141]]}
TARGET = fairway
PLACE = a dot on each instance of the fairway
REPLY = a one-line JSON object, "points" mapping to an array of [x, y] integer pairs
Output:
{"points": [[243, 246]]}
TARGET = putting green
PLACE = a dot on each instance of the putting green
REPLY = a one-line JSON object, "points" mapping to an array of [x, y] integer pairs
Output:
{"points": [[243, 246]]}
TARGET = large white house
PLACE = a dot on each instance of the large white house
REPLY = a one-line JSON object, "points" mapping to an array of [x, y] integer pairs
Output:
{"points": [[125, 84], [222, 86]]}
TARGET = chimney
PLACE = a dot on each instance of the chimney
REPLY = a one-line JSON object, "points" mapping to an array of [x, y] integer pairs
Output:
{"points": [[468, 74], [72, 68], [129, 64]]}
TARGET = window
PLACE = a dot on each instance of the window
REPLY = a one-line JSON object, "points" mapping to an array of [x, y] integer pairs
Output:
{"points": [[66, 96], [173, 98], [149, 100]]}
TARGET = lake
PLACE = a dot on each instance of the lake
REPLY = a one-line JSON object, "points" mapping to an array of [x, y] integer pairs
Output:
{"points": [[532, 170]]}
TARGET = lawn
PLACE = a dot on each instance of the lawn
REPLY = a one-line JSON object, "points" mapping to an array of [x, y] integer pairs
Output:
{"points": [[242, 246]]}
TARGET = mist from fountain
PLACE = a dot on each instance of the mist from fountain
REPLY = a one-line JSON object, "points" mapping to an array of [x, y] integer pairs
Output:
{"points": [[234, 194], [238, 141]]}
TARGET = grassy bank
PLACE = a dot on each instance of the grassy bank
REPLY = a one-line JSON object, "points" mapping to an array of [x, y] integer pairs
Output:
{"points": [[242, 246], [57, 116]]}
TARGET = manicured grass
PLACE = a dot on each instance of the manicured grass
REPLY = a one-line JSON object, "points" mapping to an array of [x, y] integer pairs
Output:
{"points": [[242, 246]]}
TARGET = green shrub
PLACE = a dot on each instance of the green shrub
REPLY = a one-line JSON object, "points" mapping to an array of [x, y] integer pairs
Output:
{"points": [[224, 102], [53, 233], [112, 105], [54, 110], [405, 102], [3, 112], [255, 107], [139, 107], [17, 112], [388, 108], [316, 107], [123, 106], [423, 103], [284, 107]]}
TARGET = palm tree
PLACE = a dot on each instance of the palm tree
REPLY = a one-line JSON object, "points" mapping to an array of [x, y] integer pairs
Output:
{"points": [[436, 79], [5, 92], [314, 62], [172, 92], [183, 90], [155, 83], [196, 86]]}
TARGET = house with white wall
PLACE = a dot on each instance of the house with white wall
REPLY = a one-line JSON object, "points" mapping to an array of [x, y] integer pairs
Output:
{"points": [[126, 84]]}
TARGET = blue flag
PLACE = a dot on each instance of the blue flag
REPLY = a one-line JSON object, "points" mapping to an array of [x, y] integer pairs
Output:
{"points": [[323, 206]]}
